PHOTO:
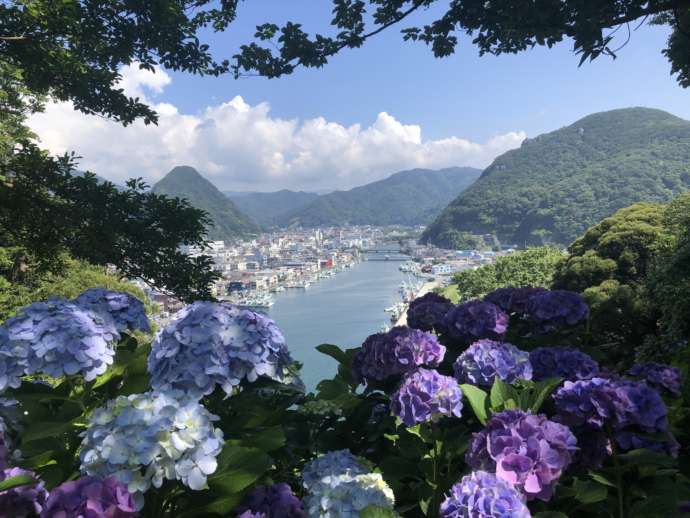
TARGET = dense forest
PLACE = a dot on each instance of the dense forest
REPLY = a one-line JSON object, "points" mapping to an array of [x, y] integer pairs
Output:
{"points": [[556, 185], [412, 197], [268, 209]]}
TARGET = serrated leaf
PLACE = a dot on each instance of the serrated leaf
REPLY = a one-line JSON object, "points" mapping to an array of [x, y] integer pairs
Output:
{"points": [[334, 352], [589, 492], [541, 391], [501, 392], [598, 477], [238, 467], [477, 399]]}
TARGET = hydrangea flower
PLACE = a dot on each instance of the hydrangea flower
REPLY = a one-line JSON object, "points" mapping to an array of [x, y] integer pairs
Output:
{"points": [[475, 320], [425, 395], [22, 501], [126, 310], [623, 406], [276, 501], [483, 495], [484, 360], [90, 497], [142, 439], [56, 338], [512, 300], [427, 312], [561, 362], [396, 352], [210, 344], [526, 450], [340, 485], [552, 310], [658, 376]]}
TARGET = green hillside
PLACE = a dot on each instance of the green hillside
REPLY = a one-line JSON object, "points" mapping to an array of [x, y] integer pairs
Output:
{"points": [[267, 208], [558, 184], [228, 221], [406, 198]]}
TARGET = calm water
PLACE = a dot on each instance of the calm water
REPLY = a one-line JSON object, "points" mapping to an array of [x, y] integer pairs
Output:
{"points": [[341, 310]]}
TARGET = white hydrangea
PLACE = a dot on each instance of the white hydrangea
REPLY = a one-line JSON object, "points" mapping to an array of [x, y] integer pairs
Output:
{"points": [[340, 485], [143, 439]]}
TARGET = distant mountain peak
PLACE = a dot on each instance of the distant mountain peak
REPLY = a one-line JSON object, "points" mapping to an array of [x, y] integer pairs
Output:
{"points": [[558, 184], [186, 182]]}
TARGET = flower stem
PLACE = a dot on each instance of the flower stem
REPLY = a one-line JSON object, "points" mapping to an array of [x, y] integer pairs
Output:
{"points": [[619, 486]]}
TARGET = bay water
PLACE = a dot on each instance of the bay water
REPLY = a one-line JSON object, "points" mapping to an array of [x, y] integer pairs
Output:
{"points": [[341, 310]]}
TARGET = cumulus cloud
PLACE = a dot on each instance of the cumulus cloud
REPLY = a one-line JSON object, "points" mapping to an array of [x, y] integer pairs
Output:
{"points": [[244, 147]]}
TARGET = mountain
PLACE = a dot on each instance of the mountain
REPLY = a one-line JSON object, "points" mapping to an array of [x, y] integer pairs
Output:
{"points": [[266, 208], [406, 198], [556, 185], [228, 221]]}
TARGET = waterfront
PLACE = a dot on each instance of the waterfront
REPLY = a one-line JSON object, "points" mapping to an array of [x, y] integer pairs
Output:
{"points": [[342, 310]]}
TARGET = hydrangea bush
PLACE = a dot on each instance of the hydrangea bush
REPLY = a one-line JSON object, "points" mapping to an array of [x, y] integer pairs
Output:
{"points": [[396, 352], [485, 360], [99, 418]]}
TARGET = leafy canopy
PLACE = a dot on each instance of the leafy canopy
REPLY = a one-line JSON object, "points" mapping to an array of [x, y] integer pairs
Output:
{"points": [[508, 26]]}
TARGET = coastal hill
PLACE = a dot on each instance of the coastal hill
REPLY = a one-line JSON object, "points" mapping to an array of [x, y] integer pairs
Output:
{"points": [[412, 197], [556, 185], [228, 221], [268, 208]]}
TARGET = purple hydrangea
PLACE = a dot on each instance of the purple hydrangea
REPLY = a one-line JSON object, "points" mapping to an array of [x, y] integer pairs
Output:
{"points": [[484, 360], [22, 501], [90, 497], [658, 376], [475, 320], [483, 495], [396, 352], [512, 300], [126, 310], [427, 312], [276, 501], [56, 338], [627, 408], [526, 450], [552, 310], [210, 344], [425, 395], [562, 362]]}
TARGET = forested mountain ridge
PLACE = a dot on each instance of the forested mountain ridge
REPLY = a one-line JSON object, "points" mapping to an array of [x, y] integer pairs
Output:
{"points": [[406, 198], [267, 208], [556, 185], [228, 221]]}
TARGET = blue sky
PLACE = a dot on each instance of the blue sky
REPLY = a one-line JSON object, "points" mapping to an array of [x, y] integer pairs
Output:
{"points": [[536, 91], [370, 112]]}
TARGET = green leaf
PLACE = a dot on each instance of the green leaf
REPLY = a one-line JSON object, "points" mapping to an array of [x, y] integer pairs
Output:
{"points": [[332, 389], [501, 392], [19, 480], [541, 391], [42, 430], [334, 352], [589, 492], [598, 477], [218, 507], [238, 467], [373, 511], [642, 456], [477, 399], [267, 439], [550, 514]]}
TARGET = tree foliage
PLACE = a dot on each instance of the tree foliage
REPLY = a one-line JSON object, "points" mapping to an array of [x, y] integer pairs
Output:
{"points": [[47, 210], [494, 28], [532, 267], [73, 50], [22, 282]]}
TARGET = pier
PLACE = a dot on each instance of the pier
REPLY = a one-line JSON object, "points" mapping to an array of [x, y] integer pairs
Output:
{"points": [[426, 288]]}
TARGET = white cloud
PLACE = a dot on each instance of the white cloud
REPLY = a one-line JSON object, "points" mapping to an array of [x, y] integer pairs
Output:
{"points": [[243, 147]]}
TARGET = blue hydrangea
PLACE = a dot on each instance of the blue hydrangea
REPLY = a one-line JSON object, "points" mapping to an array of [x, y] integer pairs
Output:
{"points": [[339, 485], [483, 495], [562, 362], [484, 360], [144, 439], [210, 344], [425, 395], [57, 338], [658, 376], [126, 310]]}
